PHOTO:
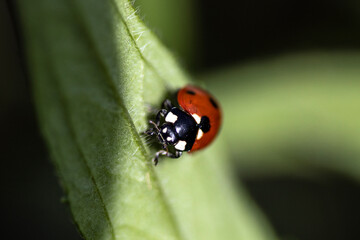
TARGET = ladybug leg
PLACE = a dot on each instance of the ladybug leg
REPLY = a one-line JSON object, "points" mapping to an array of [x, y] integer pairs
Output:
{"points": [[161, 113], [155, 160], [177, 154], [167, 104], [165, 109]]}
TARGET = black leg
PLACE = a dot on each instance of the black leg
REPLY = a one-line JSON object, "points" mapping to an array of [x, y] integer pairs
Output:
{"points": [[161, 113], [155, 160], [177, 154], [167, 104]]}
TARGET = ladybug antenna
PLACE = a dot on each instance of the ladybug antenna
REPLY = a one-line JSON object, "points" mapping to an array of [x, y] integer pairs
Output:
{"points": [[157, 130]]}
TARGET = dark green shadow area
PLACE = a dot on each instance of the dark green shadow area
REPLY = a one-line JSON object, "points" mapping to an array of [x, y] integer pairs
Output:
{"points": [[71, 98]]}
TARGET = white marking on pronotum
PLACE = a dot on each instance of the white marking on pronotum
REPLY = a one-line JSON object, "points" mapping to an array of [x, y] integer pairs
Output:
{"points": [[181, 145], [197, 118], [170, 117], [168, 139], [199, 134], [164, 130]]}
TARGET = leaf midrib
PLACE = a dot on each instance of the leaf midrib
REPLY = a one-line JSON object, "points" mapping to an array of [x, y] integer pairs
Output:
{"points": [[126, 116], [135, 42]]}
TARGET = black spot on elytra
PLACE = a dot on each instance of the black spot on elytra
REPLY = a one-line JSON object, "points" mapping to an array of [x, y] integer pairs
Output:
{"points": [[213, 103], [190, 92], [205, 124]]}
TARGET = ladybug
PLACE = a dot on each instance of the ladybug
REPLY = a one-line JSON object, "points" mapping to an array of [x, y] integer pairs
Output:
{"points": [[190, 125]]}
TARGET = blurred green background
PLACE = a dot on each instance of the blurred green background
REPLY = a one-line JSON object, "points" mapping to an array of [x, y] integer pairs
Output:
{"points": [[288, 75]]}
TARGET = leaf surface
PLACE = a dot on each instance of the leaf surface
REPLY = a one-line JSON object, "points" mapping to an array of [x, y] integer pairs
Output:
{"points": [[95, 67]]}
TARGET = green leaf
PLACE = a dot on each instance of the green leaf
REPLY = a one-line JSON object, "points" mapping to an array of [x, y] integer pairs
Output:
{"points": [[175, 23], [95, 66], [293, 114]]}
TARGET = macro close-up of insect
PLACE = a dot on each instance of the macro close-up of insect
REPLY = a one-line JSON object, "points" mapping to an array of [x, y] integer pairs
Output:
{"points": [[180, 119], [189, 125]]}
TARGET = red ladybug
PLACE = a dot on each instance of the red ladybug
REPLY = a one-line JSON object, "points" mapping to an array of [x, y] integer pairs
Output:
{"points": [[189, 126]]}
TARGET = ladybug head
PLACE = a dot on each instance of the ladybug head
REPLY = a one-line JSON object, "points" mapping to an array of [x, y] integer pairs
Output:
{"points": [[167, 134]]}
